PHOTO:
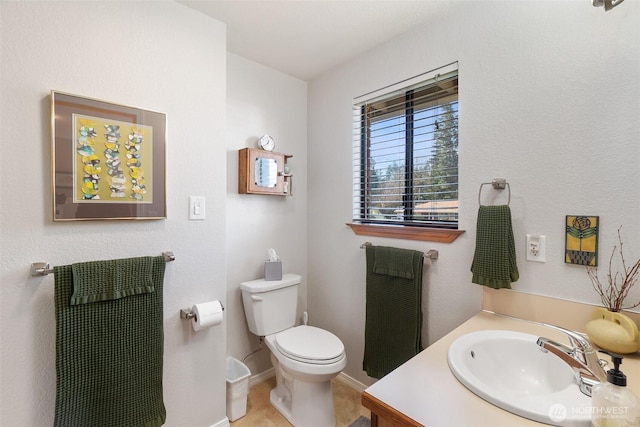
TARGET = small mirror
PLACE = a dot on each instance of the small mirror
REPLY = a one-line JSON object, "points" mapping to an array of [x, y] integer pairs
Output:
{"points": [[266, 171]]}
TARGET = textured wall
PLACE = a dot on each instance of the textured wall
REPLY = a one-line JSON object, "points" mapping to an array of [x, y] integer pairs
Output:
{"points": [[263, 101], [549, 100], [155, 55]]}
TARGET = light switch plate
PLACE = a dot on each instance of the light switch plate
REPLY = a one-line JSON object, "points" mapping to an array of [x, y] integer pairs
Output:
{"points": [[536, 248], [196, 208]]}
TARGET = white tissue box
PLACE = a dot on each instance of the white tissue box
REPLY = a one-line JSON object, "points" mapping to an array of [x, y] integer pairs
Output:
{"points": [[273, 270]]}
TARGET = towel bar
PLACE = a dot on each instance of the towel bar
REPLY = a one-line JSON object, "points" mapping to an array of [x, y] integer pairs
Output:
{"points": [[43, 268], [431, 253], [498, 184]]}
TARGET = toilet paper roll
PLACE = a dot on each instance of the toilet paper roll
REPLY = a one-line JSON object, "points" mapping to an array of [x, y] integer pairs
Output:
{"points": [[207, 314]]}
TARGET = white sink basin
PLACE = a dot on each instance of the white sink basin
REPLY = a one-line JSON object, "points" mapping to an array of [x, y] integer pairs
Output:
{"points": [[508, 369]]}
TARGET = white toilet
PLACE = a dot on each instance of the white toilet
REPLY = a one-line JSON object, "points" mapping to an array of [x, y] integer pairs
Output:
{"points": [[305, 358]]}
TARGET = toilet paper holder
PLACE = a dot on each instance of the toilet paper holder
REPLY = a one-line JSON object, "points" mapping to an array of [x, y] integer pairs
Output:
{"points": [[186, 313]]}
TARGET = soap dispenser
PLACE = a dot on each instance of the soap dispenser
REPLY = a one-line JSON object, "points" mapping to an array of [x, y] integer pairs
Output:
{"points": [[613, 405]]}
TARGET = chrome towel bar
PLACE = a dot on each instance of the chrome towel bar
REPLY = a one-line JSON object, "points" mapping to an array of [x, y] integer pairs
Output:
{"points": [[43, 268], [431, 253]]}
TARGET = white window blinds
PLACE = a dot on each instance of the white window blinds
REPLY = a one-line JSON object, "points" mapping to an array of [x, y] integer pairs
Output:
{"points": [[405, 142]]}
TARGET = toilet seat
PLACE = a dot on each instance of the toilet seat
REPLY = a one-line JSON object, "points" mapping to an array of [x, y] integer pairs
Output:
{"points": [[309, 344]]}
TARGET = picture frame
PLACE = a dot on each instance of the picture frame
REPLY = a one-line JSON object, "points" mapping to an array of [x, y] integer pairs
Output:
{"points": [[108, 160], [581, 240]]}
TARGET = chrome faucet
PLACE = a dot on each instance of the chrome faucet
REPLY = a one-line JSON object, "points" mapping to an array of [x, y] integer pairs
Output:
{"points": [[581, 357]]}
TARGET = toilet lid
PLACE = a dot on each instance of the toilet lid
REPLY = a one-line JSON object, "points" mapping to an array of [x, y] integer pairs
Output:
{"points": [[310, 345]]}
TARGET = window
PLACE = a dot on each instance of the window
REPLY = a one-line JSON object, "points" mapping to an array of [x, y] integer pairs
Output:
{"points": [[406, 155]]}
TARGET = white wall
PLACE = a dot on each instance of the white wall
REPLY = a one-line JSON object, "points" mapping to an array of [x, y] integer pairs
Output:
{"points": [[156, 55], [263, 101], [549, 100]]}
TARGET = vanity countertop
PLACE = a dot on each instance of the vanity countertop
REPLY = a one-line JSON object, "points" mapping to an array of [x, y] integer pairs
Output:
{"points": [[423, 391]]}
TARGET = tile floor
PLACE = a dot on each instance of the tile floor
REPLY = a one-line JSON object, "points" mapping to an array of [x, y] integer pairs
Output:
{"points": [[260, 413]]}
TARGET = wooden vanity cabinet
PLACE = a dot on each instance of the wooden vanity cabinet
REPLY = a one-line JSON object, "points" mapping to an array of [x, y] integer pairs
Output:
{"points": [[383, 415], [262, 172]]}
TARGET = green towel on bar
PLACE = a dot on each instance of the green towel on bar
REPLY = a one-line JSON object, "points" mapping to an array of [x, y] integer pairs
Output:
{"points": [[494, 261], [393, 262], [113, 279], [393, 324], [109, 353]]}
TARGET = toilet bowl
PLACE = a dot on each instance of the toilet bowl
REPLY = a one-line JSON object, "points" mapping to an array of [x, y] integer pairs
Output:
{"points": [[305, 358]]}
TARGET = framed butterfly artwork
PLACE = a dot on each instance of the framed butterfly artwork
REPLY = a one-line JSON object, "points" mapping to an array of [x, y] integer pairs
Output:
{"points": [[108, 160]]}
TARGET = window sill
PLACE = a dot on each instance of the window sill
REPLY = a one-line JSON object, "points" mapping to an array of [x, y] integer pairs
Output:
{"points": [[407, 232]]}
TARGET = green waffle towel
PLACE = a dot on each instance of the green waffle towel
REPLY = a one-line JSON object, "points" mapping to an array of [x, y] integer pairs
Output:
{"points": [[113, 279], [393, 262], [494, 261], [393, 323], [109, 352]]}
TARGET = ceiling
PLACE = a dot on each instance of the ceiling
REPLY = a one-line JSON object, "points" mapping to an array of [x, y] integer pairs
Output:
{"points": [[305, 38]]}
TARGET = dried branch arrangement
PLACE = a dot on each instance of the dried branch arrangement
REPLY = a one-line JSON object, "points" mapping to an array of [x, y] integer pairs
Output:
{"points": [[619, 283]]}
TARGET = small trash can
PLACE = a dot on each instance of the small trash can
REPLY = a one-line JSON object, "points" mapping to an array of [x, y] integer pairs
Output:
{"points": [[237, 388]]}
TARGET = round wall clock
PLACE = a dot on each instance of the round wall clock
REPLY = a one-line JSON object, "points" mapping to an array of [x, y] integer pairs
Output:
{"points": [[266, 143]]}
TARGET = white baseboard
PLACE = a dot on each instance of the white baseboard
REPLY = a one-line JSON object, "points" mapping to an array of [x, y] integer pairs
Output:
{"points": [[222, 423], [262, 376], [350, 381]]}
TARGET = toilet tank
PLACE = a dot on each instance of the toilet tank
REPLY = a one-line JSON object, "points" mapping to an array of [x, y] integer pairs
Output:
{"points": [[270, 306]]}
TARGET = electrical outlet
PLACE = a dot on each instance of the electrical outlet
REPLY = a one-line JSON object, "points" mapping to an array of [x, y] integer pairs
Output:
{"points": [[535, 249]]}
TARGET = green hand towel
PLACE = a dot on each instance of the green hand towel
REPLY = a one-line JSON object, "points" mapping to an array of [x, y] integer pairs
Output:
{"points": [[393, 262], [494, 262], [393, 324], [111, 279], [109, 356]]}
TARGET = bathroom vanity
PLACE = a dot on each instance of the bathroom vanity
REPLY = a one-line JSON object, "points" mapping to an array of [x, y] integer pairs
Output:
{"points": [[424, 392]]}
